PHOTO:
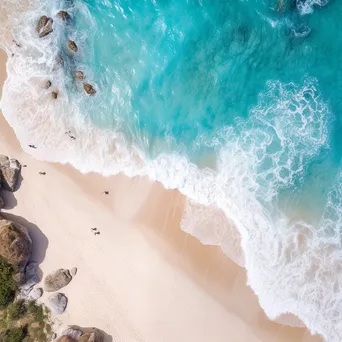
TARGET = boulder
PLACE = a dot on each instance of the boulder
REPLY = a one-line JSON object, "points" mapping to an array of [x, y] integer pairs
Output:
{"points": [[44, 26], [34, 294], [54, 95], [72, 46], [48, 84], [31, 270], [73, 271], [89, 89], [63, 15], [65, 339], [15, 244], [9, 173], [57, 303], [29, 283], [73, 333], [31, 278], [56, 280], [94, 336], [79, 75]]}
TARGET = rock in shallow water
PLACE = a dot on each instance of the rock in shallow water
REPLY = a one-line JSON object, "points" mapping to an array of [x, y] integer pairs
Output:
{"points": [[64, 15], [44, 26], [56, 280], [79, 75], [9, 173], [72, 46], [89, 89], [57, 303]]}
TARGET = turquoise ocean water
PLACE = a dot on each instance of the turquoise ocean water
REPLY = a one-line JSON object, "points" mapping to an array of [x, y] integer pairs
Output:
{"points": [[235, 103]]}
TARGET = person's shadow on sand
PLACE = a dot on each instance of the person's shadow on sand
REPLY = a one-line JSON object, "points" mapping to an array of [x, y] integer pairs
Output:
{"points": [[39, 240]]}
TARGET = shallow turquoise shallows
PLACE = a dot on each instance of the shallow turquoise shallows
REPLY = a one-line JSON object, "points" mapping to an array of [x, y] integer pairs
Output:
{"points": [[174, 74]]}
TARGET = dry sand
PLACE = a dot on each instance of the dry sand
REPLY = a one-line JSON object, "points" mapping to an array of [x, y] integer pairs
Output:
{"points": [[142, 279]]}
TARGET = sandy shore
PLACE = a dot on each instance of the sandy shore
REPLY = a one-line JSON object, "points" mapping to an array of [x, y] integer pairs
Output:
{"points": [[142, 279]]}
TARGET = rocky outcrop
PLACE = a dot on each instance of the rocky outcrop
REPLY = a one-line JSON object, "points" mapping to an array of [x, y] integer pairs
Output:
{"points": [[27, 290], [88, 88], [44, 26], [56, 280], [72, 46], [57, 303], [63, 15], [9, 173], [31, 277], [79, 75], [15, 244]]}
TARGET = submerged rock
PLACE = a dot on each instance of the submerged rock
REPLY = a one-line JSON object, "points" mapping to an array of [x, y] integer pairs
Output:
{"points": [[56, 280], [15, 244], [9, 173], [57, 303], [64, 15], [54, 95], [89, 89], [72, 46], [44, 26], [79, 75], [59, 60]]}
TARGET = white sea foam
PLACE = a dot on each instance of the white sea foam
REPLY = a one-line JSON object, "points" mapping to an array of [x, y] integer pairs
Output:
{"points": [[307, 6], [292, 266]]}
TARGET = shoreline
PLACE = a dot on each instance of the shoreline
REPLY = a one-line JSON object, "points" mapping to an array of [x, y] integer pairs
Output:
{"points": [[150, 276]]}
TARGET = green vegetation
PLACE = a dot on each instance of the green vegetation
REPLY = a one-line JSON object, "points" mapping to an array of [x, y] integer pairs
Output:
{"points": [[14, 335], [16, 310], [20, 321], [8, 286]]}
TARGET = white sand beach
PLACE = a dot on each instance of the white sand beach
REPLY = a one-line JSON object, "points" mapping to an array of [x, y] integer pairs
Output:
{"points": [[142, 278]]}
